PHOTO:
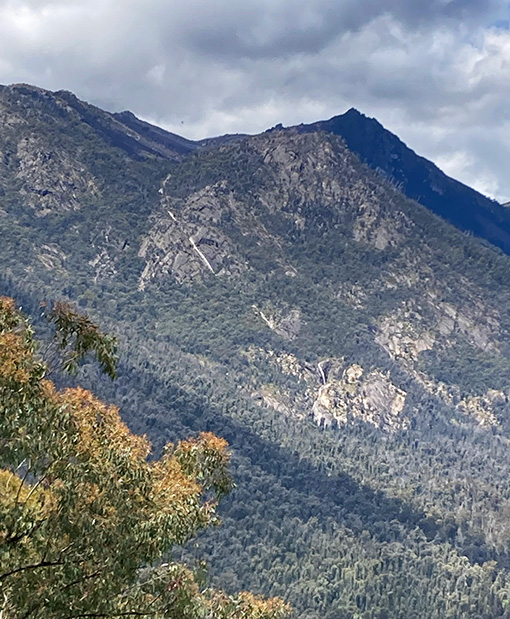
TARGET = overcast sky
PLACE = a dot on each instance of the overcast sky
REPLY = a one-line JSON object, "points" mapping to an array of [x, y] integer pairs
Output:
{"points": [[436, 72]]}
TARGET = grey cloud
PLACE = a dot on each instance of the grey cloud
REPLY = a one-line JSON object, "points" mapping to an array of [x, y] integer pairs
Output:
{"points": [[286, 28]]}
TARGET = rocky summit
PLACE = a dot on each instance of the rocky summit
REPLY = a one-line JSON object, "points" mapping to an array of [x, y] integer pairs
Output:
{"points": [[349, 343], [418, 178]]}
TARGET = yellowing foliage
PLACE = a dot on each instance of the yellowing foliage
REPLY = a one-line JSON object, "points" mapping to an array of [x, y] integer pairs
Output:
{"points": [[14, 361], [13, 491], [100, 427], [82, 509]]}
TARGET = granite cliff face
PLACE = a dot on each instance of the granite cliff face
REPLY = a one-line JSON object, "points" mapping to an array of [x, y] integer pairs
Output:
{"points": [[352, 346], [307, 188], [309, 182]]}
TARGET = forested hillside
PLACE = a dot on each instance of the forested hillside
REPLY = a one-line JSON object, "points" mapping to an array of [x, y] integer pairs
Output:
{"points": [[350, 345]]}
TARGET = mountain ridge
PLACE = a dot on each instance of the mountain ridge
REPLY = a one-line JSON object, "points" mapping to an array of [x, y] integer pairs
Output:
{"points": [[350, 344], [419, 178]]}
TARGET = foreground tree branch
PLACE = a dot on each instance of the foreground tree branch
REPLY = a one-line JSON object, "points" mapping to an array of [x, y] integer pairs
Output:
{"points": [[91, 508]]}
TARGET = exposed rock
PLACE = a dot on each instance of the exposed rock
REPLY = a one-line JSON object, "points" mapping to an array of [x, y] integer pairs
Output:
{"points": [[334, 394], [418, 178], [447, 393], [109, 245], [52, 256], [372, 398], [404, 334], [103, 265], [474, 320], [281, 396], [299, 163], [408, 270], [286, 325], [482, 407], [185, 240], [383, 401], [353, 373], [331, 369], [51, 180], [274, 400], [380, 228], [352, 294], [290, 365]]}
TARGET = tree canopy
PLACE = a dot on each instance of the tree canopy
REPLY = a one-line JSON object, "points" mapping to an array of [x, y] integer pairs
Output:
{"points": [[86, 516]]}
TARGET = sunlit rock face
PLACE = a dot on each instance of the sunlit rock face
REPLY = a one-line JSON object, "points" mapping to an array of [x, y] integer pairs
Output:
{"points": [[369, 397]]}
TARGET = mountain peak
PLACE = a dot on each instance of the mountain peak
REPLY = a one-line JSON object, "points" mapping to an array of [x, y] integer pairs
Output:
{"points": [[419, 178], [353, 112]]}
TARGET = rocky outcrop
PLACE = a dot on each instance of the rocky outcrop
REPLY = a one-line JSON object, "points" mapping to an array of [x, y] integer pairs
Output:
{"points": [[403, 334], [186, 241], [418, 178], [299, 162], [416, 327], [474, 320], [353, 295], [332, 393], [286, 324], [51, 180], [370, 397], [310, 183], [485, 409], [103, 265], [380, 228], [277, 400], [52, 256]]}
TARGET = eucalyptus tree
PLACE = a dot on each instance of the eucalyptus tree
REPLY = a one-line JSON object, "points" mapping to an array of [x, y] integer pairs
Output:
{"points": [[85, 514]]}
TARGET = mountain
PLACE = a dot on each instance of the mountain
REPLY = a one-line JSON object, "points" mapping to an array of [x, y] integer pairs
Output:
{"points": [[351, 346], [123, 130], [419, 178]]}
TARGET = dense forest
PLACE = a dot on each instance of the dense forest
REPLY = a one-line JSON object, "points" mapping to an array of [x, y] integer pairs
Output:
{"points": [[351, 347]]}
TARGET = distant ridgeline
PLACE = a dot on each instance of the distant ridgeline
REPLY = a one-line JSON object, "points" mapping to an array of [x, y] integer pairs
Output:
{"points": [[351, 345]]}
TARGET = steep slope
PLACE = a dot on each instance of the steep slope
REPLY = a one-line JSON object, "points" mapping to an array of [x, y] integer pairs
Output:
{"points": [[350, 345], [74, 172], [419, 178], [155, 139]]}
